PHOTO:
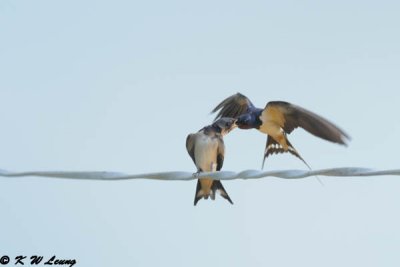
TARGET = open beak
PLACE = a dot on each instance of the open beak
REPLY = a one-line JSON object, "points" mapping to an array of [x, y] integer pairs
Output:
{"points": [[233, 126]]}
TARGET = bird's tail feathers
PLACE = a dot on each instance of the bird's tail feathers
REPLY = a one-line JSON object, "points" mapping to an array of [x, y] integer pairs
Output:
{"points": [[216, 186], [274, 147]]}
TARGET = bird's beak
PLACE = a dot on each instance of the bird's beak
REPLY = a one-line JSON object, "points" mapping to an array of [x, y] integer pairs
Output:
{"points": [[227, 130], [233, 126], [236, 123], [242, 125]]}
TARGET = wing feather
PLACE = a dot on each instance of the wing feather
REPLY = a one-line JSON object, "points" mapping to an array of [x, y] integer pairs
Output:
{"points": [[190, 141], [221, 153], [233, 106], [289, 117]]}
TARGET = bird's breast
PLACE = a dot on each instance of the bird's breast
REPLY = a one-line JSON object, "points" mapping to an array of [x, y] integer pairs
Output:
{"points": [[206, 150]]}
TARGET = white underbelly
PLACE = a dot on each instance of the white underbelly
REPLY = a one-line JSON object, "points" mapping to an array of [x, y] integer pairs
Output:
{"points": [[205, 154]]}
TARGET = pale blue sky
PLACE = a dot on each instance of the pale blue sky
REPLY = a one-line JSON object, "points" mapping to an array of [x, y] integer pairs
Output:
{"points": [[118, 85]]}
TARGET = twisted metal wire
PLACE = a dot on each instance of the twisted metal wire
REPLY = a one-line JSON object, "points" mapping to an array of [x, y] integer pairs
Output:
{"points": [[186, 176]]}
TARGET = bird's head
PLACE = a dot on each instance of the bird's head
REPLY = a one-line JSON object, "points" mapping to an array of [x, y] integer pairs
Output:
{"points": [[224, 125], [247, 121]]}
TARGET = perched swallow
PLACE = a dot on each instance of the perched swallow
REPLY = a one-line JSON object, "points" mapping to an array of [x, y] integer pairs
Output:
{"points": [[207, 149], [278, 119]]}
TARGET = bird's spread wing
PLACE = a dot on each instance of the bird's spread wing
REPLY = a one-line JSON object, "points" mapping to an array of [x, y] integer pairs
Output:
{"points": [[190, 140], [233, 106], [289, 117], [221, 153]]}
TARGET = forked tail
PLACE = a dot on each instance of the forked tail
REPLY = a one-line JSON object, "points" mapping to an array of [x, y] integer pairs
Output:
{"points": [[215, 186]]}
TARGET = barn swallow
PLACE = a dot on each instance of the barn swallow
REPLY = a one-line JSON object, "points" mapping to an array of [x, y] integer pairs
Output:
{"points": [[277, 120], [207, 150]]}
